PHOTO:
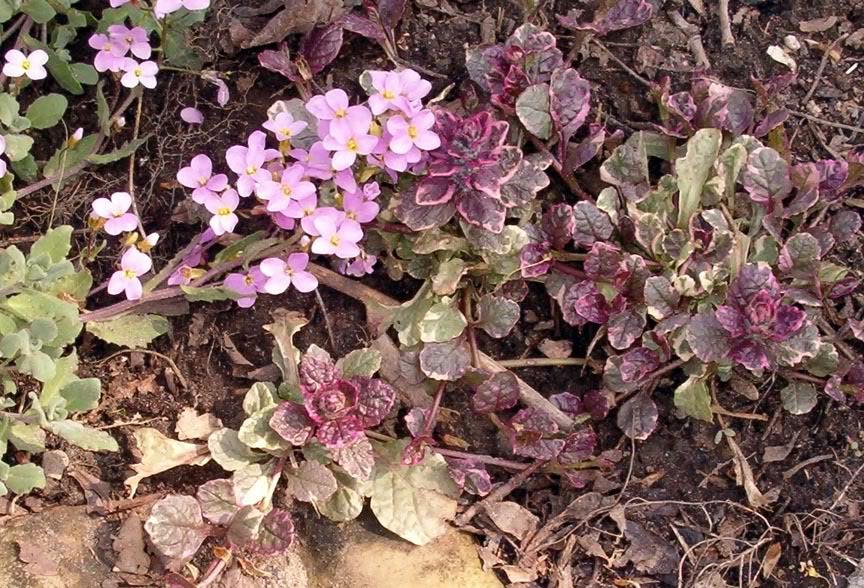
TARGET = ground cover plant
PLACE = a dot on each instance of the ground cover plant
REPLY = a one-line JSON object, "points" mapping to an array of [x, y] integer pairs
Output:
{"points": [[483, 299]]}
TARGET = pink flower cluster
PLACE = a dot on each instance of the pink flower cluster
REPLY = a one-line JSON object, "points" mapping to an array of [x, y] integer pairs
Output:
{"points": [[314, 191], [113, 55], [166, 7]]}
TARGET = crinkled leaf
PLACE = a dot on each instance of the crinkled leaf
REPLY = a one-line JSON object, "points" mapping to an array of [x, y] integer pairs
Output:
{"points": [[217, 501], [356, 459], [625, 327], [559, 225], [346, 503], [707, 338], [413, 501], [694, 400], [661, 297], [442, 322], [160, 454], [693, 171], [766, 176], [360, 362], [310, 482], [845, 225], [529, 432], [826, 361], [244, 527], [229, 451], [623, 15], [83, 437], [497, 315], [276, 533], [446, 279], [375, 401], [175, 527], [578, 446], [530, 178], [532, 108], [798, 398], [591, 224], [24, 478], [252, 483], [638, 417], [569, 101], [132, 330], [499, 392], [445, 361], [800, 254], [291, 422], [256, 431], [419, 217], [260, 396]]}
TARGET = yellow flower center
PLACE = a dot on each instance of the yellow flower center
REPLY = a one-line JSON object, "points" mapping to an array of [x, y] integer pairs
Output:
{"points": [[130, 274], [341, 113], [25, 65], [107, 47], [224, 211], [285, 132], [388, 94], [351, 214], [251, 170], [249, 280], [308, 210], [412, 132], [186, 272], [334, 240], [202, 181], [138, 72], [351, 144], [286, 191]]}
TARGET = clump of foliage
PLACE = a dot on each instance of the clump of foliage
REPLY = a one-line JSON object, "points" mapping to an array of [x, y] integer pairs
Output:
{"points": [[39, 320]]}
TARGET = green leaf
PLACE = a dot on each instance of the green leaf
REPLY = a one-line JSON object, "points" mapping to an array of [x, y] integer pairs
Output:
{"points": [[83, 437], [9, 107], [25, 478], [260, 396], [132, 330], [27, 437], [123, 152], [56, 243], [178, 52], [85, 73], [256, 433], [693, 171], [346, 503], [415, 502], [64, 373], [798, 398], [82, 395], [206, 294], [39, 10], [65, 158], [238, 248], [8, 9], [47, 111], [285, 325], [694, 400], [360, 362], [442, 322], [497, 315], [26, 169], [532, 108], [18, 146], [446, 279], [103, 111], [825, 362], [229, 451]]}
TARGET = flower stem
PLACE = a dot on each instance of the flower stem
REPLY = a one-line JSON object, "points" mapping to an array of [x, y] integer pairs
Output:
{"points": [[527, 362]]}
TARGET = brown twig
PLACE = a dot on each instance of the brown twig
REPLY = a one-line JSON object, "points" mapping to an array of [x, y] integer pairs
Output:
{"points": [[725, 25], [694, 39], [825, 123], [623, 65], [821, 69], [499, 493], [374, 301], [806, 463]]}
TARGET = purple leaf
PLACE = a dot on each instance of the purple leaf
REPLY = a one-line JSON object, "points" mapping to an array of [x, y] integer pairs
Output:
{"points": [[530, 178], [722, 107], [499, 392], [707, 338], [356, 459], [391, 12], [276, 533], [419, 217], [771, 121], [310, 482], [497, 315], [534, 260], [591, 224], [578, 446], [374, 402], [569, 101], [661, 297], [569, 403], [481, 210], [624, 15], [469, 476], [638, 417], [279, 61], [845, 225], [217, 501], [528, 430], [445, 361], [580, 154], [317, 369], [844, 287], [596, 403], [176, 528], [559, 225], [291, 422], [339, 433], [638, 363], [321, 46], [415, 420], [625, 327], [362, 26]]}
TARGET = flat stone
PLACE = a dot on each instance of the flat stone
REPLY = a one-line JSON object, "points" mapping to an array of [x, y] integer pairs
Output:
{"points": [[68, 534], [358, 557]]}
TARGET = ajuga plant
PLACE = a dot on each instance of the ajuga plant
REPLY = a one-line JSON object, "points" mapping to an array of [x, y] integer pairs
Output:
{"points": [[723, 268], [39, 320]]}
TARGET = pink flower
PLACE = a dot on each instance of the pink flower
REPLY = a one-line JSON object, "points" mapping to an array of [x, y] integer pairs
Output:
{"points": [[349, 141], [199, 176], [281, 274], [301, 208], [33, 65], [125, 39], [414, 88], [248, 162], [371, 191], [333, 107], [284, 126], [345, 180], [222, 206], [116, 3], [290, 187], [337, 239], [246, 286], [357, 208], [107, 59], [389, 92], [308, 220], [316, 161], [133, 264], [2, 151], [143, 73], [413, 132], [365, 264], [116, 212], [165, 7], [283, 221], [193, 116]]}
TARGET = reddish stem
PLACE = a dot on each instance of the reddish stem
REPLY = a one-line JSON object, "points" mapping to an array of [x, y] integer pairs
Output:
{"points": [[487, 459], [429, 421], [569, 270]]}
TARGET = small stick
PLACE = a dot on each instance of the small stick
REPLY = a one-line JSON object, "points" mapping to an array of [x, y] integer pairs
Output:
{"points": [[846, 487], [623, 65], [717, 409], [528, 362], [499, 493], [170, 362], [327, 324], [694, 38], [725, 25], [135, 132], [825, 123], [821, 69], [807, 462]]}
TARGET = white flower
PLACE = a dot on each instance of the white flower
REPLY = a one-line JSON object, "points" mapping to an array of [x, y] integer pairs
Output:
{"points": [[143, 73], [33, 65]]}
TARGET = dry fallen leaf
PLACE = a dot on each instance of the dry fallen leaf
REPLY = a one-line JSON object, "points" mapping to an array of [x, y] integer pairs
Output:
{"points": [[191, 425], [817, 25], [744, 477], [779, 452], [299, 16], [234, 354], [160, 454], [513, 519], [55, 463], [39, 562], [129, 546], [769, 562], [777, 53], [556, 349]]}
